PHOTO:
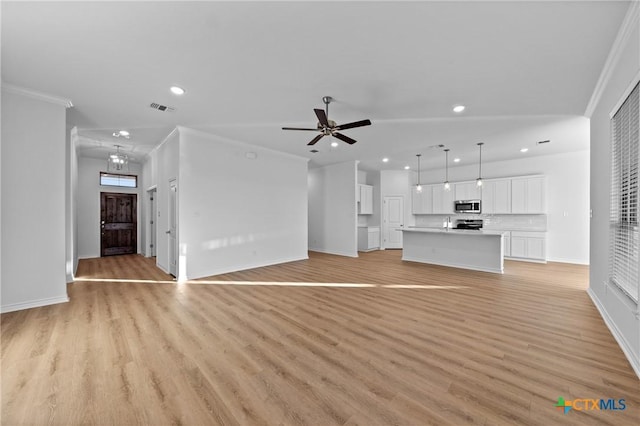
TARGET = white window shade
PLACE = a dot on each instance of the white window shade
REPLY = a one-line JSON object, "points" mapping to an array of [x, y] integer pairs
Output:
{"points": [[624, 239]]}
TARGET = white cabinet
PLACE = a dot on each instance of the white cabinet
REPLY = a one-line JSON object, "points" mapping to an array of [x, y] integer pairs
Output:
{"points": [[467, 191], [432, 200], [442, 200], [528, 245], [528, 195], [368, 238], [496, 196], [364, 197], [422, 202]]}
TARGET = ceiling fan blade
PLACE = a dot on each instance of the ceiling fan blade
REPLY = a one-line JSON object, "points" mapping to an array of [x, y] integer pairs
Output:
{"points": [[354, 124], [322, 117], [316, 139], [344, 138], [298, 128]]}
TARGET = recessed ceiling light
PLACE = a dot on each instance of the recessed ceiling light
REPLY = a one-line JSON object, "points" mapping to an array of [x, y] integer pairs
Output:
{"points": [[456, 160], [334, 144], [177, 90], [458, 108], [524, 150], [122, 133], [385, 160], [407, 167]]}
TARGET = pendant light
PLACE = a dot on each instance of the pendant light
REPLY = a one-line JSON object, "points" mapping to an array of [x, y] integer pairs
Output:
{"points": [[418, 186], [479, 180], [117, 160], [447, 186]]}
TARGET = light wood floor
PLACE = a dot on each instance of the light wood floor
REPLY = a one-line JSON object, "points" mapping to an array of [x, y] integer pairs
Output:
{"points": [[417, 345]]}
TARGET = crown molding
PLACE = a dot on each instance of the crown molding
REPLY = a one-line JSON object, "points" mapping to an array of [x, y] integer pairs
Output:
{"points": [[36, 95], [629, 24]]}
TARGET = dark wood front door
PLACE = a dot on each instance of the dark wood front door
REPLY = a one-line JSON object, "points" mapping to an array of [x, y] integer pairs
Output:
{"points": [[118, 223]]}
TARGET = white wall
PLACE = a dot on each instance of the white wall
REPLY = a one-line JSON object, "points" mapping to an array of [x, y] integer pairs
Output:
{"points": [[89, 190], [332, 209], [33, 202], [567, 195], [619, 312], [238, 212]]}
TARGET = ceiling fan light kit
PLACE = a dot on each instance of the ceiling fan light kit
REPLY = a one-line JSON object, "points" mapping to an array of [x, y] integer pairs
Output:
{"points": [[328, 127]]}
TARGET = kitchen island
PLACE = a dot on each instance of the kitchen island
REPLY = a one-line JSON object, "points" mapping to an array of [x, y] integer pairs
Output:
{"points": [[480, 250]]}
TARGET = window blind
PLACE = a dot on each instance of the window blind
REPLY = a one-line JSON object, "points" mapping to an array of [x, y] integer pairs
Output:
{"points": [[624, 259]]}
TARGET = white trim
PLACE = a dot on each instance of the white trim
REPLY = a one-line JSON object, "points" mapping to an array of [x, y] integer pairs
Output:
{"points": [[571, 261], [37, 95], [246, 145], [33, 304], [628, 26], [406, 258], [625, 95], [337, 253], [165, 140], [622, 342], [525, 259]]}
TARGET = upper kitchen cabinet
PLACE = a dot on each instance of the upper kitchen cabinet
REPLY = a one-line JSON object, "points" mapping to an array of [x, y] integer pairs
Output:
{"points": [[442, 200], [528, 195], [496, 196], [365, 199], [467, 191], [422, 202]]}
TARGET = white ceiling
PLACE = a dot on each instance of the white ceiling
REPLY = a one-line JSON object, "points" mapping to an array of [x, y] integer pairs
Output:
{"points": [[525, 71]]}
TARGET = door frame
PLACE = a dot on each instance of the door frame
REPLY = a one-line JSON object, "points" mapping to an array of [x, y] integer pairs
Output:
{"points": [[173, 265], [135, 219], [385, 225]]}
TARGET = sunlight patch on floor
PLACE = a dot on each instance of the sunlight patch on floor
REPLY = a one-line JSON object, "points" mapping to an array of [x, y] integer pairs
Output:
{"points": [[274, 283]]}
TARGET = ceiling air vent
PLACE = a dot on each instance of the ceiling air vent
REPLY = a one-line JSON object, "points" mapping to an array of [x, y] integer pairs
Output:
{"points": [[162, 107], [541, 142]]}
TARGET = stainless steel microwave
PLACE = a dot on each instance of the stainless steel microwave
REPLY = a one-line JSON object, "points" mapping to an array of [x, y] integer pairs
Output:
{"points": [[467, 206]]}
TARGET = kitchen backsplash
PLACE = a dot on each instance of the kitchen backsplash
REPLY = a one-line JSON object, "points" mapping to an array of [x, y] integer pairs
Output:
{"points": [[520, 222]]}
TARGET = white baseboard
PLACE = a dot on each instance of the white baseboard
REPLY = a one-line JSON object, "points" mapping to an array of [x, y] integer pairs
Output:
{"points": [[624, 345], [238, 268], [572, 261], [337, 253], [33, 304]]}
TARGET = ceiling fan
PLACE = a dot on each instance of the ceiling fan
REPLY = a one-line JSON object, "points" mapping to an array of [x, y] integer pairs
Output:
{"points": [[328, 127]]}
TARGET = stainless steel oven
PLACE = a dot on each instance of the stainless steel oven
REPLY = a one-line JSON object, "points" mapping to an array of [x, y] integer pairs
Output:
{"points": [[467, 206]]}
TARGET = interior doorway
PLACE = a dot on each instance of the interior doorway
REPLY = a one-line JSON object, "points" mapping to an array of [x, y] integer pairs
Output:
{"points": [[392, 220], [118, 223], [172, 232]]}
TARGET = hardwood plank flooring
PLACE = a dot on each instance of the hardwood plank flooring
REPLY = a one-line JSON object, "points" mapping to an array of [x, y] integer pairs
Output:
{"points": [[325, 341]]}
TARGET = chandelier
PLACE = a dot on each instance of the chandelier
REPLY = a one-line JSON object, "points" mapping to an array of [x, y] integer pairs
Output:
{"points": [[117, 160]]}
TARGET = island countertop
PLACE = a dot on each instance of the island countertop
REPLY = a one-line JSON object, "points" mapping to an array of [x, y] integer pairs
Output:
{"points": [[455, 231], [480, 250]]}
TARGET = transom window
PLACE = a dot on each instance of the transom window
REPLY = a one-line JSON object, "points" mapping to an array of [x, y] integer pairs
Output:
{"points": [[112, 179]]}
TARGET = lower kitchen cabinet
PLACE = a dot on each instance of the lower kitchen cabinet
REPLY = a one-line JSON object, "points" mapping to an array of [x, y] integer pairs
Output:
{"points": [[528, 246], [368, 238]]}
